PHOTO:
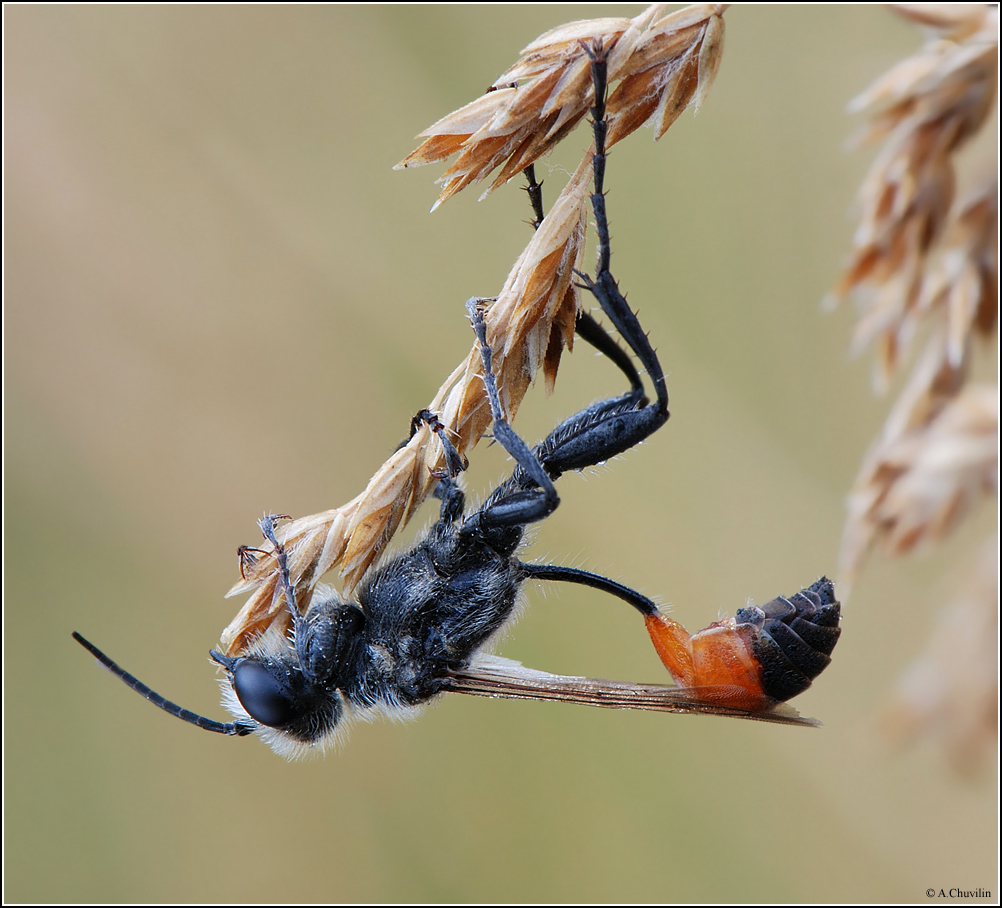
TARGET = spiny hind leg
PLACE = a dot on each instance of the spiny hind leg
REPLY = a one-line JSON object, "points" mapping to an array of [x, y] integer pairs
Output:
{"points": [[531, 495], [610, 427]]}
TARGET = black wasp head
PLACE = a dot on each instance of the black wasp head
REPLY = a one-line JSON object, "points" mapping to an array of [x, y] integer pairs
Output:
{"points": [[286, 691], [290, 688], [273, 692]]}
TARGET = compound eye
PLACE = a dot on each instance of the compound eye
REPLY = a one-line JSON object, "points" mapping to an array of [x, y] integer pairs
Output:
{"points": [[265, 698]]}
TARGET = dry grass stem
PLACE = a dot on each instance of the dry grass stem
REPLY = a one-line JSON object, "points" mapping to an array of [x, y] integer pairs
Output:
{"points": [[924, 264], [527, 327], [662, 62]]}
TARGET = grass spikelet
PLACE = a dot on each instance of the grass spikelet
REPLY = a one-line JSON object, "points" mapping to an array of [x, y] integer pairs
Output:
{"points": [[528, 325], [925, 265], [663, 63], [656, 57], [924, 110]]}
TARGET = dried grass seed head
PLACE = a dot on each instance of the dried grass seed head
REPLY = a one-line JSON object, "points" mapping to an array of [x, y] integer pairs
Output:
{"points": [[923, 110], [922, 262], [663, 63], [527, 327]]}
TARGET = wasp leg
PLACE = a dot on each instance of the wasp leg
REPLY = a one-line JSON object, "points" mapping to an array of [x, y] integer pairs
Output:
{"points": [[588, 437], [448, 491], [624, 426], [591, 331], [453, 500], [630, 418], [304, 633], [455, 463], [451, 496], [535, 193], [604, 429], [515, 502], [267, 525], [586, 327]]}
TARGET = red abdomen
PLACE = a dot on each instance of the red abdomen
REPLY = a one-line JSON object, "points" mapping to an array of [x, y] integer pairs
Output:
{"points": [[763, 655]]}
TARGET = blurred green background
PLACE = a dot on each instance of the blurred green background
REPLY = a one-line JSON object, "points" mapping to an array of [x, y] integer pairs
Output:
{"points": [[221, 300]]}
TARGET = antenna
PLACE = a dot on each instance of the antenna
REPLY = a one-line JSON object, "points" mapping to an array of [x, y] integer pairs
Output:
{"points": [[224, 728]]}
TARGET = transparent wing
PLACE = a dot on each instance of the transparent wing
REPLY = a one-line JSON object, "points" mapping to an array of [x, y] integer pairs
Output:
{"points": [[494, 676]]}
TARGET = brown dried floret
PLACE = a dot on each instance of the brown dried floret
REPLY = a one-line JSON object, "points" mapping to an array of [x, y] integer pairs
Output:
{"points": [[922, 263], [919, 483], [527, 327], [923, 110], [663, 63], [963, 281]]}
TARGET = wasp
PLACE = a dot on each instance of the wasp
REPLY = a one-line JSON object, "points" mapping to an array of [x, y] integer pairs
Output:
{"points": [[421, 621]]}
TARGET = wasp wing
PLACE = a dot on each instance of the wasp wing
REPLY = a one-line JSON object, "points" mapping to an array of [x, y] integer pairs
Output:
{"points": [[494, 676]]}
